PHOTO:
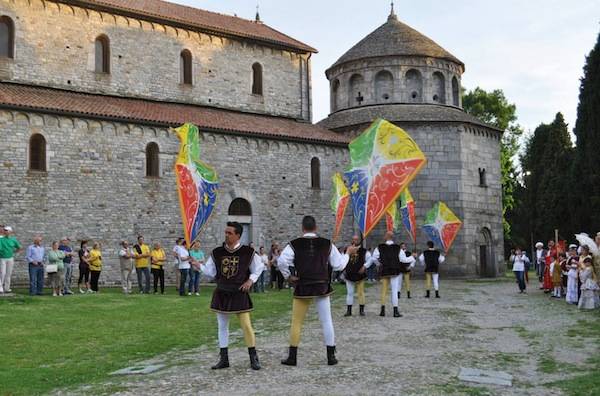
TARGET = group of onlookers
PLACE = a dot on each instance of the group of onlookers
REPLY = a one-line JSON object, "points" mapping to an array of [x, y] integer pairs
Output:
{"points": [[572, 273], [58, 264]]}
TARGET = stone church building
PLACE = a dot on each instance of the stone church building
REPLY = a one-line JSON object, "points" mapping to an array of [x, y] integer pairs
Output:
{"points": [[89, 90]]}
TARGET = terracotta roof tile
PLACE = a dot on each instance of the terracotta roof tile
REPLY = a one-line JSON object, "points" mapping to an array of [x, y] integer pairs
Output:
{"points": [[199, 19], [56, 101]]}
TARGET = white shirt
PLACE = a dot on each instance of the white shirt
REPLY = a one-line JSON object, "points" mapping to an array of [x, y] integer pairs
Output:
{"points": [[182, 253], [538, 254], [337, 260], [402, 256], [256, 267], [265, 259], [519, 262]]}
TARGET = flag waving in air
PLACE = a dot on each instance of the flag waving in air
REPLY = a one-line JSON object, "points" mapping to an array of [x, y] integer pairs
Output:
{"points": [[392, 217], [384, 160], [339, 202], [197, 183], [441, 225], [407, 210]]}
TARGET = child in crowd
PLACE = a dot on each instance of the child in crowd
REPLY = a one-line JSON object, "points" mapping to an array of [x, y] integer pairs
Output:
{"points": [[589, 286], [555, 269]]}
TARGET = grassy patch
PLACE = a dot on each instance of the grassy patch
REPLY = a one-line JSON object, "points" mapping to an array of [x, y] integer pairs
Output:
{"points": [[52, 342], [547, 364], [587, 382], [509, 359], [455, 388]]}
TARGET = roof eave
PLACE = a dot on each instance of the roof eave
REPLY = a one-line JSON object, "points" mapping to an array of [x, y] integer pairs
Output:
{"points": [[302, 48]]}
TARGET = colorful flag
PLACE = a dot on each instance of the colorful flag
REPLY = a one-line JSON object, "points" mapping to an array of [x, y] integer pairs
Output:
{"points": [[392, 217], [441, 225], [407, 210], [339, 202], [197, 183], [384, 160]]}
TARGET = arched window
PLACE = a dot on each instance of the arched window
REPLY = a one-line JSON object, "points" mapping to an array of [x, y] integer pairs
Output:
{"points": [[37, 153], [185, 67], [384, 86], [356, 90], [240, 207], [257, 79], [335, 87], [414, 86], [7, 37], [439, 88], [482, 178], [152, 162], [315, 173], [102, 54], [455, 92]]}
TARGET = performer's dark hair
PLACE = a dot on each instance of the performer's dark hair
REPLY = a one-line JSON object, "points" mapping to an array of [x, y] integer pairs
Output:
{"points": [[237, 226], [309, 223], [430, 244]]}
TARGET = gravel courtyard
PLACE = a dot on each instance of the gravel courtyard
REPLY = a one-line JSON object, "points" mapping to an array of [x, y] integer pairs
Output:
{"points": [[477, 324]]}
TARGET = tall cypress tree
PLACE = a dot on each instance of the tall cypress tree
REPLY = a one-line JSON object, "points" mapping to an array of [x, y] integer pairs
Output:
{"points": [[585, 205]]}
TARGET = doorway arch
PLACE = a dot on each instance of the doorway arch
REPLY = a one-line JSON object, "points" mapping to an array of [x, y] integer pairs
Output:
{"points": [[240, 210], [487, 258]]}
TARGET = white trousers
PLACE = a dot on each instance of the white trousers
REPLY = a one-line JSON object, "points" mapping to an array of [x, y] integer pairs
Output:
{"points": [[6, 269], [436, 281], [223, 322], [395, 286], [323, 305]]}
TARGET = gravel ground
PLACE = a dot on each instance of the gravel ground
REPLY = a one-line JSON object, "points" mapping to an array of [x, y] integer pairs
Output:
{"points": [[484, 325]]}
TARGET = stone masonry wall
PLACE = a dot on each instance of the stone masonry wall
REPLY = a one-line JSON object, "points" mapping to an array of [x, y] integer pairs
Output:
{"points": [[454, 153], [54, 46], [96, 187]]}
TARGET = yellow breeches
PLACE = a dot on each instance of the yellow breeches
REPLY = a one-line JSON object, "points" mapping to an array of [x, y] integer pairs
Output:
{"points": [[299, 310], [427, 280], [406, 281], [360, 290], [385, 285], [247, 329]]}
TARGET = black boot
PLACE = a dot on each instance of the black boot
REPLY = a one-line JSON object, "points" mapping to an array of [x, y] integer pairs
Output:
{"points": [[291, 359], [437, 294], [382, 313], [348, 310], [331, 360], [361, 311], [407, 294], [397, 313], [399, 295], [427, 295], [223, 360], [253, 359]]}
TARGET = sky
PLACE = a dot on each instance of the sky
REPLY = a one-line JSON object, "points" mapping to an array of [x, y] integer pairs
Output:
{"points": [[533, 50]]}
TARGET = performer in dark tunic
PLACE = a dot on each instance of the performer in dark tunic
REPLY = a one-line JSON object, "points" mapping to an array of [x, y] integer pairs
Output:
{"points": [[432, 259], [313, 259], [355, 277], [235, 268], [393, 262]]}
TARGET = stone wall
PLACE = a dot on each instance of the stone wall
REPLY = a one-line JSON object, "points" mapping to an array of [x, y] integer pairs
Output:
{"points": [[96, 187], [54, 46], [454, 154], [343, 93]]}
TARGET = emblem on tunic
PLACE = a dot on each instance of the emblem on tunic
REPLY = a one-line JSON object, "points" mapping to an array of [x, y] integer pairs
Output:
{"points": [[229, 266]]}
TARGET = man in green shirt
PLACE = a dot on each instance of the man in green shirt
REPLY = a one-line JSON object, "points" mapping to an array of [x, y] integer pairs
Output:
{"points": [[8, 247]]}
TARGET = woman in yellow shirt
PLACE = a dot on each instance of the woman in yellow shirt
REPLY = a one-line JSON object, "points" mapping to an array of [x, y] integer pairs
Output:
{"points": [[95, 263], [158, 258]]}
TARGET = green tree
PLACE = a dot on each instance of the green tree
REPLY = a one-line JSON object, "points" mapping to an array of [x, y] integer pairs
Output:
{"points": [[493, 108], [586, 167]]}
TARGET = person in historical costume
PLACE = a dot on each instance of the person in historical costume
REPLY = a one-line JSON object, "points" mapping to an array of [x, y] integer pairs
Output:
{"points": [[551, 256], [540, 262], [589, 286], [355, 274], [388, 256], [314, 258], [408, 263], [572, 274], [584, 253], [596, 258], [431, 258], [235, 268], [556, 270]]}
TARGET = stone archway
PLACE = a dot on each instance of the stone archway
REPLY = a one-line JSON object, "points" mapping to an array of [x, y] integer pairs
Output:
{"points": [[487, 258], [240, 210]]}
